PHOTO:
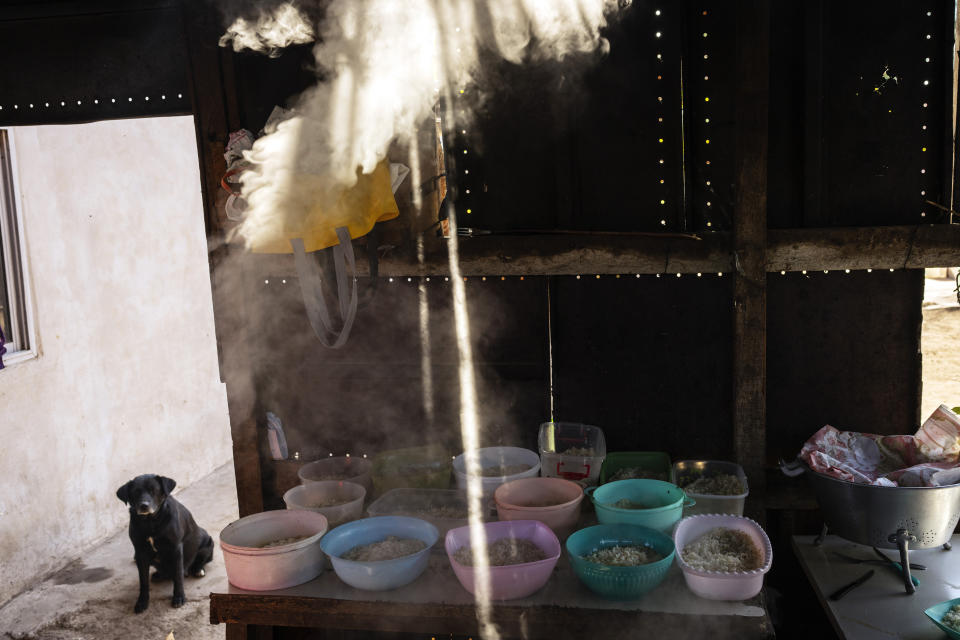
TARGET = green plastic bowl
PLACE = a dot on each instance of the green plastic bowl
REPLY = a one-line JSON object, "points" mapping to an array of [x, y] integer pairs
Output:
{"points": [[665, 503], [936, 613], [652, 462], [619, 583]]}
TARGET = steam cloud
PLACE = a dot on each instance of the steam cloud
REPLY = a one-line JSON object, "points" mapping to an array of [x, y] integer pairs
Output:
{"points": [[273, 31], [385, 64]]}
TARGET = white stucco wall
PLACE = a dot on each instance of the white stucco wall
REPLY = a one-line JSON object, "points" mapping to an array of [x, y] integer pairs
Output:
{"points": [[126, 381]]}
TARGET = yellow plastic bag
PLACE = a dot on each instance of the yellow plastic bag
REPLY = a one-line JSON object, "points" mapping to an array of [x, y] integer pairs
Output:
{"points": [[358, 208]]}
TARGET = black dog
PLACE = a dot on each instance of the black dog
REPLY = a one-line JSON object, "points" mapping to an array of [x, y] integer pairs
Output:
{"points": [[164, 534]]}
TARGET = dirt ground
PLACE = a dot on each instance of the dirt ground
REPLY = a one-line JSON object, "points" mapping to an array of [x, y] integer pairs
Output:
{"points": [[940, 346], [92, 598]]}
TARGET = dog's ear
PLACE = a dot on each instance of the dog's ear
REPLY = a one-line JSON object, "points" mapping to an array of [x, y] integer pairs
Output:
{"points": [[167, 483], [124, 492]]}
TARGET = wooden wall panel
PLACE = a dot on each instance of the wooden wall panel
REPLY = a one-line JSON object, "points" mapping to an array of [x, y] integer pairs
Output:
{"points": [[843, 349], [646, 359], [92, 61]]}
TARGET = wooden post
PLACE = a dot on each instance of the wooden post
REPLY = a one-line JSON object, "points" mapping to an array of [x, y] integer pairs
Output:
{"points": [[749, 241], [215, 116]]}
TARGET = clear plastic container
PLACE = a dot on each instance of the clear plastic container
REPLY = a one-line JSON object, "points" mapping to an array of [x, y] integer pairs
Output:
{"points": [[443, 508], [686, 471], [572, 451], [426, 467]]}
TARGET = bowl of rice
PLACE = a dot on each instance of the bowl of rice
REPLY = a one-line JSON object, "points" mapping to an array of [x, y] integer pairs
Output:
{"points": [[273, 549], [356, 470], [553, 501], [339, 501], [521, 555], [620, 561], [382, 553], [497, 466], [717, 486], [723, 557], [946, 615], [645, 502]]}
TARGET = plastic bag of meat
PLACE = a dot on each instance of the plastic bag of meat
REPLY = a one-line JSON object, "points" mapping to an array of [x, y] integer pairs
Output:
{"points": [[930, 457]]}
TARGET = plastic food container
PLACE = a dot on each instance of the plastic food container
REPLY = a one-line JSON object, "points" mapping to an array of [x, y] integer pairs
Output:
{"points": [[520, 500], [511, 581], [654, 465], [385, 574], [338, 468], [936, 613], [665, 500], [722, 585], [556, 438], [686, 471], [413, 467], [494, 457], [251, 566], [436, 506], [619, 583], [349, 494]]}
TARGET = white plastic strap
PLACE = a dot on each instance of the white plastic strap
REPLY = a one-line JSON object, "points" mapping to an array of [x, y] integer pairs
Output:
{"points": [[312, 292]]}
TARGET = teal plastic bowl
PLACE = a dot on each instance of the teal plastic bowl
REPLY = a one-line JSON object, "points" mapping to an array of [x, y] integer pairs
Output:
{"points": [[936, 613], [619, 583], [664, 503]]}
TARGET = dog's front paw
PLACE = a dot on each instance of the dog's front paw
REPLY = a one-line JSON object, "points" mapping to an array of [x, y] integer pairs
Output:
{"points": [[141, 605], [177, 601]]}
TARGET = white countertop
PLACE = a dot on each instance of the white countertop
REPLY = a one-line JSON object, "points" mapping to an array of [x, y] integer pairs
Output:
{"points": [[880, 608]]}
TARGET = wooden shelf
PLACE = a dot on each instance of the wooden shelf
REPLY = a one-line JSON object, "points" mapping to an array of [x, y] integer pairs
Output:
{"points": [[436, 603], [900, 247]]}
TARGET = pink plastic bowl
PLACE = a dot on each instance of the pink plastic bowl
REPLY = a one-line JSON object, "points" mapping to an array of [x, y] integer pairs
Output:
{"points": [[250, 566], [722, 585], [512, 581], [514, 499]]}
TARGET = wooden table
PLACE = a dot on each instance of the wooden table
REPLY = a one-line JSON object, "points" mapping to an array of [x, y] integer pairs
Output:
{"points": [[436, 603], [880, 608]]}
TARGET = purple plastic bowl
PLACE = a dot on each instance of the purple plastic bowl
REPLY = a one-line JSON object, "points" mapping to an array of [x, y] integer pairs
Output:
{"points": [[512, 581]]}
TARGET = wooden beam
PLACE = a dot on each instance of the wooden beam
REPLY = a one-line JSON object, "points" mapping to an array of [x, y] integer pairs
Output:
{"points": [[750, 242], [209, 72], [902, 247]]}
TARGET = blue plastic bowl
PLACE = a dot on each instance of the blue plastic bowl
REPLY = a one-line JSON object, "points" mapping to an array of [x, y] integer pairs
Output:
{"points": [[386, 574], [619, 583], [666, 502], [936, 613]]}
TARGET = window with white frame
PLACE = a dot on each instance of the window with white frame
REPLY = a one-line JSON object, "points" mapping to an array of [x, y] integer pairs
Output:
{"points": [[14, 307]]}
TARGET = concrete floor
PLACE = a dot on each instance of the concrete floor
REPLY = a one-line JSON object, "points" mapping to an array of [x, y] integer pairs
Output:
{"points": [[92, 598]]}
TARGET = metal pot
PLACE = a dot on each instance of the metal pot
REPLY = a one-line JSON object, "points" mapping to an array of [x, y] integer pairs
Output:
{"points": [[884, 517]]}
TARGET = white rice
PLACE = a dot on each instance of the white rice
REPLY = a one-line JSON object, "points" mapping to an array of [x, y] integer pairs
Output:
{"points": [[952, 618], [722, 549], [722, 484], [389, 548], [501, 470], [631, 473], [579, 451], [503, 552], [631, 555], [282, 541]]}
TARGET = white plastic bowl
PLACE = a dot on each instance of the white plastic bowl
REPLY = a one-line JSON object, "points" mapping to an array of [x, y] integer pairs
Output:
{"points": [[349, 494], [494, 456], [249, 566], [722, 585], [356, 470]]}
